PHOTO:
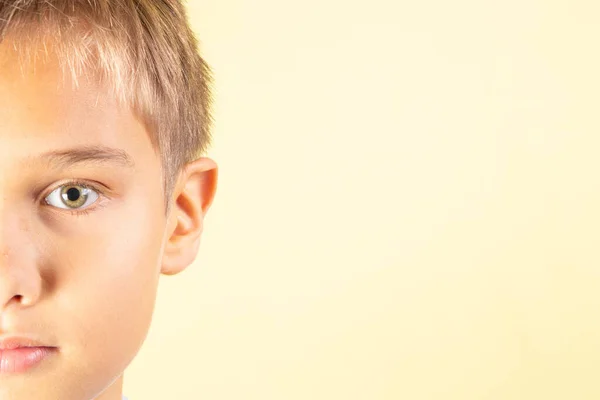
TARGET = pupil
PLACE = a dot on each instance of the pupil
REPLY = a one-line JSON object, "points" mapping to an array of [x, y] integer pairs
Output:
{"points": [[73, 194]]}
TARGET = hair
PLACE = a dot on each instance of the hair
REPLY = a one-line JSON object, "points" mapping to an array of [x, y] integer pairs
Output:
{"points": [[144, 49]]}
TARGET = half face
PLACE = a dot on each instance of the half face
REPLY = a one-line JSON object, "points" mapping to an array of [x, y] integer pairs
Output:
{"points": [[82, 232]]}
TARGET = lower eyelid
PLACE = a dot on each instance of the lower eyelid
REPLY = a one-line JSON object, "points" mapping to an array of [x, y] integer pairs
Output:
{"points": [[97, 206]]}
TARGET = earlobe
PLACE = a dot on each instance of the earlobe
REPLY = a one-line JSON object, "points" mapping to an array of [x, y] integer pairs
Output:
{"points": [[193, 197]]}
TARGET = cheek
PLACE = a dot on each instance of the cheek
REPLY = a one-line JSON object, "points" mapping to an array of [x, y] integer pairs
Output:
{"points": [[107, 281]]}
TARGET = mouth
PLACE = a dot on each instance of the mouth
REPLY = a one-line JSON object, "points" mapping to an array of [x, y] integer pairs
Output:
{"points": [[19, 354]]}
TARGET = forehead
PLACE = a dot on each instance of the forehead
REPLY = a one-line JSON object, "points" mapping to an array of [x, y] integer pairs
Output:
{"points": [[43, 108], [40, 93]]}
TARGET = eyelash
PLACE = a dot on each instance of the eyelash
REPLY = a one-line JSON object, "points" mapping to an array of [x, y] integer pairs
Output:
{"points": [[76, 182]]}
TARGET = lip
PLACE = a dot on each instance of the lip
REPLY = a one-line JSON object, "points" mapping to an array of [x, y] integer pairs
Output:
{"points": [[19, 354]]}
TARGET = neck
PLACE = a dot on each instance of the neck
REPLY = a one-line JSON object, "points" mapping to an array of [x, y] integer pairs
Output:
{"points": [[113, 392]]}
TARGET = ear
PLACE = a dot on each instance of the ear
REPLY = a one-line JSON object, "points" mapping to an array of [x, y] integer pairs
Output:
{"points": [[192, 197]]}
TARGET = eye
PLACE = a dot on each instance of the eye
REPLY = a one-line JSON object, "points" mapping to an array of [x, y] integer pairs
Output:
{"points": [[73, 196]]}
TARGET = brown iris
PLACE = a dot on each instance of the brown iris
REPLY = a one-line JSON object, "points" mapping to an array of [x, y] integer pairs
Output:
{"points": [[74, 196]]}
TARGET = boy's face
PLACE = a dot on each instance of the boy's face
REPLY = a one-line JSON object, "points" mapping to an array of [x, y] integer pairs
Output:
{"points": [[83, 284]]}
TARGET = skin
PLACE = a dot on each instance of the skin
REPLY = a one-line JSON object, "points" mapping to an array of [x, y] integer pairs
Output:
{"points": [[85, 284]]}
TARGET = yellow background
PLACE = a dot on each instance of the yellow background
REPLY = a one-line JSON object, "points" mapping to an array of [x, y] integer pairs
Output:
{"points": [[408, 206]]}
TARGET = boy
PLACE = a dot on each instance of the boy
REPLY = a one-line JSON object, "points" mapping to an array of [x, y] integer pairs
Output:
{"points": [[104, 109]]}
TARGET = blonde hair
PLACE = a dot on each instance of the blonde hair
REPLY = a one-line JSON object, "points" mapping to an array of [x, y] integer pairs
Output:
{"points": [[144, 49]]}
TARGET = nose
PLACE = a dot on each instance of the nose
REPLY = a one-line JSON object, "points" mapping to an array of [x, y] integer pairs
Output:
{"points": [[20, 280]]}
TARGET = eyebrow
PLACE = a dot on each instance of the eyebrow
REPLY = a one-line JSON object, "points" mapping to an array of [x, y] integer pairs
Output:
{"points": [[87, 155]]}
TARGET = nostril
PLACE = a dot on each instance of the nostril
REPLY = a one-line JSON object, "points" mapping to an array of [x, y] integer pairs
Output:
{"points": [[23, 301]]}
